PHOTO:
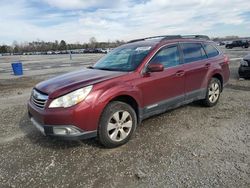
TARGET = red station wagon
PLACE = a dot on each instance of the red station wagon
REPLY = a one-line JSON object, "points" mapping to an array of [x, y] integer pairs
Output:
{"points": [[137, 80]]}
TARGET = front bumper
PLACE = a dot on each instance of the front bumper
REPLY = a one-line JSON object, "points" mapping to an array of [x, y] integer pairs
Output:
{"points": [[244, 71], [49, 130], [80, 118]]}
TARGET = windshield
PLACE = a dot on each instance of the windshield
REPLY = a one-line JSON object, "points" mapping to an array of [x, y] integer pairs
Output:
{"points": [[123, 59]]}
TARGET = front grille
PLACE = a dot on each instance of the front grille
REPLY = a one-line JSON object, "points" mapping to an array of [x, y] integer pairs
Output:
{"points": [[39, 99]]}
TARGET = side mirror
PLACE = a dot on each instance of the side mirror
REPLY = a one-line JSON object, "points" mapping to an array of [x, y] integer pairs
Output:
{"points": [[157, 67]]}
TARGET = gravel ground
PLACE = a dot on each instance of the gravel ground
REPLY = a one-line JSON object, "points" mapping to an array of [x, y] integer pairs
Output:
{"points": [[191, 146]]}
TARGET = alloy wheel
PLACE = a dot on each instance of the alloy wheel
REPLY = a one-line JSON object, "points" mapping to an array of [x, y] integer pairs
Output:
{"points": [[213, 92], [119, 126]]}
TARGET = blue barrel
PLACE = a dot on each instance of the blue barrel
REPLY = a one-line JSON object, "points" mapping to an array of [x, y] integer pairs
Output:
{"points": [[17, 68]]}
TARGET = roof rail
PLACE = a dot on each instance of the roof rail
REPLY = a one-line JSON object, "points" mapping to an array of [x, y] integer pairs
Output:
{"points": [[155, 37], [166, 37], [195, 37]]}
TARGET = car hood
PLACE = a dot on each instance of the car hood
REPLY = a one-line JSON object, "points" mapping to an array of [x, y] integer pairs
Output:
{"points": [[66, 83]]}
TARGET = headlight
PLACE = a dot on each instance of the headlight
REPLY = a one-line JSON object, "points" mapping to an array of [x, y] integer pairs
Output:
{"points": [[72, 98], [243, 62]]}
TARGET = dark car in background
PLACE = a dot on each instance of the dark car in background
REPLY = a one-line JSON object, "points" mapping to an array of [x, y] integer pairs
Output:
{"points": [[237, 43], [244, 69], [95, 50], [222, 43]]}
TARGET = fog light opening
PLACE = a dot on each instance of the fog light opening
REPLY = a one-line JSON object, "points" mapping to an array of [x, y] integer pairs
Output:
{"points": [[65, 130]]}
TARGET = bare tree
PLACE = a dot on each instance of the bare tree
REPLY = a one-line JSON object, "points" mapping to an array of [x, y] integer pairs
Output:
{"points": [[93, 42]]}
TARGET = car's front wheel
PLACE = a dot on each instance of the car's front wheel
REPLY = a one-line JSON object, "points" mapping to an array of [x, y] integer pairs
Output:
{"points": [[117, 124], [213, 92]]}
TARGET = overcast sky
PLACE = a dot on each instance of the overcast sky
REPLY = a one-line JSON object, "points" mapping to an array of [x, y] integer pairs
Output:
{"points": [[78, 20]]}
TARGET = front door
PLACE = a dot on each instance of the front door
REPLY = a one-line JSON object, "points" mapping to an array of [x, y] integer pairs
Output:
{"points": [[163, 90]]}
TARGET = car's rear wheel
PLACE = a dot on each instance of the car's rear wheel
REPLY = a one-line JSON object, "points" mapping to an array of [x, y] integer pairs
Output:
{"points": [[117, 124], [213, 92]]}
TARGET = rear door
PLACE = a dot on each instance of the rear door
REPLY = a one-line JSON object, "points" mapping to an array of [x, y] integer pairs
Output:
{"points": [[196, 66], [162, 90]]}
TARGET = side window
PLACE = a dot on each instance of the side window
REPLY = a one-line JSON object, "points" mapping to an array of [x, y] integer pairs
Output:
{"points": [[210, 50], [193, 52], [168, 57]]}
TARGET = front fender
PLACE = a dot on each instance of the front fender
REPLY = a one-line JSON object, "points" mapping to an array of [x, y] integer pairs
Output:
{"points": [[100, 98]]}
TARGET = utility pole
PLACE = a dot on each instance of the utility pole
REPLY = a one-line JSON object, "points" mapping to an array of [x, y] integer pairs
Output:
{"points": [[70, 55]]}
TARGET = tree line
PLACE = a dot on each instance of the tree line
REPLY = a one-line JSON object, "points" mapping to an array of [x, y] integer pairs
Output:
{"points": [[229, 38], [42, 46]]}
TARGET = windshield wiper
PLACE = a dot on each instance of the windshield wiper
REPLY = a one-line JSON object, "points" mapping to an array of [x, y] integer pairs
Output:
{"points": [[90, 67], [103, 68]]}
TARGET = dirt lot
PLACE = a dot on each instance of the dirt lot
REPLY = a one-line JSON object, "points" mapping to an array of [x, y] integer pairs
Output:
{"points": [[191, 146]]}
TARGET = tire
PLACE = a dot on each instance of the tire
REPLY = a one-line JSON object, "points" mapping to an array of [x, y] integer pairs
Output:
{"points": [[213, 93], [117, 124], [240, 75]]}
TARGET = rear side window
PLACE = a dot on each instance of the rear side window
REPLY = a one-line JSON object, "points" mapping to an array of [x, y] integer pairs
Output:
{"points": [[211, 50], [168, 57], [193, 52]]}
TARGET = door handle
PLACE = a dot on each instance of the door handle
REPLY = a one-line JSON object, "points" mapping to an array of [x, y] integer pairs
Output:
{"points": [[207, 66], [179, 73]]}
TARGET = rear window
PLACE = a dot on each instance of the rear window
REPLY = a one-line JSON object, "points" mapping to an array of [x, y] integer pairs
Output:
{"points": [[210, 50], [193, 52]]}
